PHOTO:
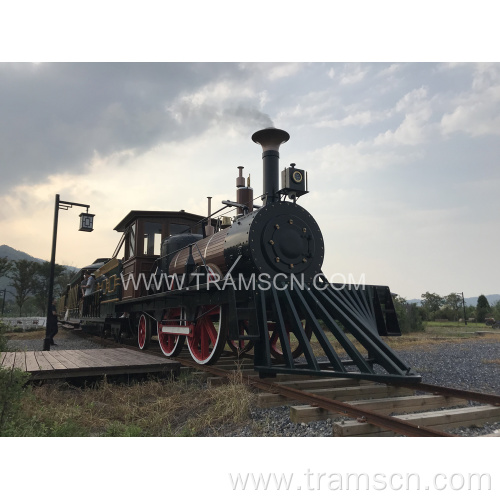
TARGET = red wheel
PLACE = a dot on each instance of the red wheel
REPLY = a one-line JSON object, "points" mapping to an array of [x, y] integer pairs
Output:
{"points": [[240, 347], [209, 335], [144, 332], [171, 345], [275, 343]]}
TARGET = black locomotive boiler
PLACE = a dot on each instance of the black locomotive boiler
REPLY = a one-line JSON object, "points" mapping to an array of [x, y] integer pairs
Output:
{"points": [[250, 282]]}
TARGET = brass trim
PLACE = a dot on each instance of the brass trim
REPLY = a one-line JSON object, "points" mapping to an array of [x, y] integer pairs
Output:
{"points": [[107, 267]]}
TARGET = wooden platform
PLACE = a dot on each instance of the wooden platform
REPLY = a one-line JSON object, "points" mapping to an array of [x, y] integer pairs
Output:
{"points": [[86, 363]]}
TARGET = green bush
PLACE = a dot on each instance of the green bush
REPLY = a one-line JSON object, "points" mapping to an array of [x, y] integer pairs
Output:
{"points": [[483, 308], [12, 382], [495, 310], [3, 340], [409, 316]]}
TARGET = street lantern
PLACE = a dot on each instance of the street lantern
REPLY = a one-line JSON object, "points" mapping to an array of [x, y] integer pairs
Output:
{"points": [[86, 222]]}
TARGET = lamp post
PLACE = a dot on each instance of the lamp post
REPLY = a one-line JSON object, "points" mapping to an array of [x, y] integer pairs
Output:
{"points": [[86, 224]]}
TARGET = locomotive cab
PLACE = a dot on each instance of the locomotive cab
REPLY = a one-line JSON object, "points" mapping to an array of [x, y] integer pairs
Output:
{"points": [[145, 234]]}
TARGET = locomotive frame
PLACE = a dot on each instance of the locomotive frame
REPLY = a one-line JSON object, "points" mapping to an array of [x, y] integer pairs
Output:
{"points": [[278, 320]]}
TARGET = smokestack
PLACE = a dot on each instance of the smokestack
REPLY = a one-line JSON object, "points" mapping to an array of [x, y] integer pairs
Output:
{"points": [[244, 195], [240, 180], [270, 139], [209, 229]]}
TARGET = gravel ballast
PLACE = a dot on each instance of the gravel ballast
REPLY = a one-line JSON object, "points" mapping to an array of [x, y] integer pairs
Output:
{"points": [[464, 365]]}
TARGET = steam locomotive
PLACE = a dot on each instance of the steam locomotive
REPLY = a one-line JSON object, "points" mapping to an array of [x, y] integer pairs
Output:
{"points": [[248, 282]]}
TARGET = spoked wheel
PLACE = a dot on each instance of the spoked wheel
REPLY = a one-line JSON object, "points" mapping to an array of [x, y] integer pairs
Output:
{"points": [[144, 331], [275, 342], [209, 335], [171, 345], [240, 347]]}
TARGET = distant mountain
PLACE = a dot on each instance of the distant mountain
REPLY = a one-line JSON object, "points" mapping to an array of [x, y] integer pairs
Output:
{"points": [[469, 301], [472, 301], [13, 254]]}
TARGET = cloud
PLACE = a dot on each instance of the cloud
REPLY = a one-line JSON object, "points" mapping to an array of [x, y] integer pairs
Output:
{"points": [[271, 71], [359, 119], [311, 106], [415, 128], [377, 140], [476, 111], [172, 176], [56, 117], [284, 70], [353, 73], [390, 70], [412, 131], [350, 160], [475, 115], [412, 101], [486, 75], [219, 102]]}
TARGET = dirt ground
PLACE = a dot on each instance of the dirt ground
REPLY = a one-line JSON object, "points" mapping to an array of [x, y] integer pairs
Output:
{"points": [[37, 334]]}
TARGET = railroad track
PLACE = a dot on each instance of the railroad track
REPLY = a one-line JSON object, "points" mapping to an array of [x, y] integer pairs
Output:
{"points": [[322, 398], [423, 410]]}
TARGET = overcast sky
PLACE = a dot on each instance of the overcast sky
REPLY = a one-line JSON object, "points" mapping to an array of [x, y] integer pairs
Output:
{"points": [[402, 159]]}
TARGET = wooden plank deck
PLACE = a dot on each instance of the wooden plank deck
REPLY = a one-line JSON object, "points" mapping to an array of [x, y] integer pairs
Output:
{"points": [[86, 363]]}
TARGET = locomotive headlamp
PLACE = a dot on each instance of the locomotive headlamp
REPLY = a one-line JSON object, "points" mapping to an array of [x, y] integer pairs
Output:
{"points": [[297, 177], [293, 182], [86, 222]]}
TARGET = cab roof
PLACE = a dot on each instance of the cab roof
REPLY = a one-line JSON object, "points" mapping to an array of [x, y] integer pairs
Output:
{"points": [[153, 214]]}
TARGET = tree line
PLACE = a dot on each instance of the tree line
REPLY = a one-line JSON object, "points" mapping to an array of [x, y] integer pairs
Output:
{"points": [[30, 281], [435, 307], [450, 307]]}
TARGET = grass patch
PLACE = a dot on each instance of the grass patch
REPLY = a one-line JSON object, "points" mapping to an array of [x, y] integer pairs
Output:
{"points": [[31, 335], [454, 326], [12, 397], [435, 333], [152, 408]]}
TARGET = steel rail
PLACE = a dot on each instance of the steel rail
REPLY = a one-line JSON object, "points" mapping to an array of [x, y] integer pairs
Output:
{"points": [[383, 421], [480, 397]]}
